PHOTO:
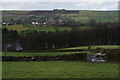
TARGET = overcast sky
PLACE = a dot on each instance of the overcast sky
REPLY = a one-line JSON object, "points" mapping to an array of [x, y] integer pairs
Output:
{"points": [[55, 4]]}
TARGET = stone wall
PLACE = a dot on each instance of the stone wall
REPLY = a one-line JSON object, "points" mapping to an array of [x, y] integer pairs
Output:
{"points": [[68, 57]]}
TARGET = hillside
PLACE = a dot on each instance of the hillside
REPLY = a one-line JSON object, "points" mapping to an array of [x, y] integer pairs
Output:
{"points": [[52, 20], [80, 15]]}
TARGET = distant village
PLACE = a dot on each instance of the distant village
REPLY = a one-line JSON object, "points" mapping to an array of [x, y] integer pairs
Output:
{"points": [[50, 18]]}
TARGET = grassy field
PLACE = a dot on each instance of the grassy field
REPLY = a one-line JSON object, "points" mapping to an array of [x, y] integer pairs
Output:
{"points": [[59, 53], [94, 47], [84, 16], [59, 69], [17, 27], [20, 28], [35, 53], [106, 46]]}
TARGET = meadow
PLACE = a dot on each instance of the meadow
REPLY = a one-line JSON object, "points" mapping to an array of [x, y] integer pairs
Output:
{"points": [[18, 28], [94, 47], [59, 69], [47, 53], [99, 16], [21, 28], [83, 16]]}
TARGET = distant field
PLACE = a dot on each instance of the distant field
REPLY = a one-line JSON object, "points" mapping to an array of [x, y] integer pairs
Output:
{"points": [[106, 47], [84, 16], [17, 27], [94, 47], [59, 69], [103, 16]]}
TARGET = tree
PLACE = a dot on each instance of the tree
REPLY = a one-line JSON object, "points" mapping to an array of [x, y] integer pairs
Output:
{"points": [[92, 22]]}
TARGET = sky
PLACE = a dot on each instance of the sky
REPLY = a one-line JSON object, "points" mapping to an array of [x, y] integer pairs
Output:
{"points": [[59, 4]]}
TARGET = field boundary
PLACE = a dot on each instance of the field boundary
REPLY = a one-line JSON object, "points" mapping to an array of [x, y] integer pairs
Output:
{"points": [[68, 57]]}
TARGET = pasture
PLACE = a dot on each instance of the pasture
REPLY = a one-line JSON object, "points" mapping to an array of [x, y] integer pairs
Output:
{"points": [[85, 16], [59, 69], [47, 53], [105, 46], [18, 28], [94, 47]]}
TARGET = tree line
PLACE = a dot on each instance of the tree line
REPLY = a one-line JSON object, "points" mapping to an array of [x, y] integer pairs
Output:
{"points": [[102, 34]]}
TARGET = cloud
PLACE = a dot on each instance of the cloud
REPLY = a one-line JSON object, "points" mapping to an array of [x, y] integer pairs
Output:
{"points": [[98, 6], [60, 0], [60, 5], [113, 7], [23, 5]]}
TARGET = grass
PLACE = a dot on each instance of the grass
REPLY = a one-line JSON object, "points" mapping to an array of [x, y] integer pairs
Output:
{"points": [[59, 53], [103, 16], [17, 27], [35, 53], [20, 28], [59, 69], [81, 47], [94, 47], [106, 46]]}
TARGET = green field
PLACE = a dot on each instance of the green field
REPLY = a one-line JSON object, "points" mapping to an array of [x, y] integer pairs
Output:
{"points": [[17, 27], [94, 47], [82, 16], [60, 53], [59, 69], [106, 46], [85, 16]]}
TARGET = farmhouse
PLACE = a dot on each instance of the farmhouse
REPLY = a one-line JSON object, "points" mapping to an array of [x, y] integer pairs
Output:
{"points": [[6, 23], [35, 23]]}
